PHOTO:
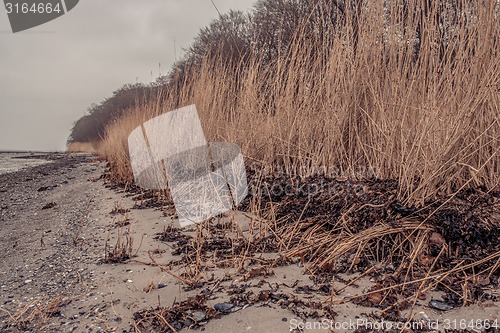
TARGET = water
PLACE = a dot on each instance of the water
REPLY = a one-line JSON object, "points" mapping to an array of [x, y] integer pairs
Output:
{"points": [[11, 162]]}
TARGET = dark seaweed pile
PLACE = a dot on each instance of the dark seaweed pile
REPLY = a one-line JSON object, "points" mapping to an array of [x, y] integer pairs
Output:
{"points": [[468, 221], [220, 244]]}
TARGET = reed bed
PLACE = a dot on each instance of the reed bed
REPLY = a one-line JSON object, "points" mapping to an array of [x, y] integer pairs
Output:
{"points": [[360, 105], [430, 122]]}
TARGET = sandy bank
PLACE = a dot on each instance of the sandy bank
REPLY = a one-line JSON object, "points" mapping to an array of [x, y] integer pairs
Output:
{"points": [[56, 221]]}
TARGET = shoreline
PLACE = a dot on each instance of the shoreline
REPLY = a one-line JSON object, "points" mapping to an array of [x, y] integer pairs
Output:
{"points": [[26, 160], [56, 220]]}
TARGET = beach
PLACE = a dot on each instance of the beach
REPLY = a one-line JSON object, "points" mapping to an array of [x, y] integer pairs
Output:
{"points": [[81, 255]]}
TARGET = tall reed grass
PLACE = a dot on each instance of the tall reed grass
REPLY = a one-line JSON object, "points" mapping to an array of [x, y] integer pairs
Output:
{"points": [[355, 104], [82, 147]]}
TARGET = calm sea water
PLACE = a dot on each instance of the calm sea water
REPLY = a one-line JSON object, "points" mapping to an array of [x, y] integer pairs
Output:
{"points": [[10, 162]]}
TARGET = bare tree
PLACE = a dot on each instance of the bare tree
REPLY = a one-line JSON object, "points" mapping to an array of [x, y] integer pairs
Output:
{"points": [[227, 37]]}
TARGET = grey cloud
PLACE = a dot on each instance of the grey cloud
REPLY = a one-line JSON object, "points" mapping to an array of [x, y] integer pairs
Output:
{"points": [[50, 75]]}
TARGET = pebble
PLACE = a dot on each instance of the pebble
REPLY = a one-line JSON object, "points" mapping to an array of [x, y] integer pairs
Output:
{"points": [[439, 305], [199, 315], [223, 307]]}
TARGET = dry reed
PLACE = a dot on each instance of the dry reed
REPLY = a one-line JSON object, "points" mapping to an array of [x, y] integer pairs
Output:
{"points": [[430, 122]]}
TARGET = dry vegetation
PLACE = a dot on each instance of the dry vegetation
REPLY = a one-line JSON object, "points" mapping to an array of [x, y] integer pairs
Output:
{"points": [[399, 103], [82, 147], [355, 104]]}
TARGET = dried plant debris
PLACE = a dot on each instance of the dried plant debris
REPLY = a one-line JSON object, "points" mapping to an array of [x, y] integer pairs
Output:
{"points": [[195, 311], [122, 222], [303, 309], [218, 243], [122, 250], [347, 226], [37, 313], [330, 227], [143, 198], [248, 274], [191, 313], [119, 210], [361, 229], [173, 234], [153, 202]]}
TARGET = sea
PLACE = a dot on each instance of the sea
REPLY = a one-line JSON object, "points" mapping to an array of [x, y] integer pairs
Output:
{"points": [[15, 161]]}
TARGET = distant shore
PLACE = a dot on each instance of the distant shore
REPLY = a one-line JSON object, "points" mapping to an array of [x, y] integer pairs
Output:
{"points": [[11, 161]]}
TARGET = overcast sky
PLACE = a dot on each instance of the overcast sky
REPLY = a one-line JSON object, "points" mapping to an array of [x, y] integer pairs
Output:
{"points": [[51, 74]]}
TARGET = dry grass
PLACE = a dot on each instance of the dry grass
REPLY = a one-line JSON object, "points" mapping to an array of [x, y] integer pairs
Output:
{"points": [[123, 250], [37, 313], [82, 147], [431, 123]]}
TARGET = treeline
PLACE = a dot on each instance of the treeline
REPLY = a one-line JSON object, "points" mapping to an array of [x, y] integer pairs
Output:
{"points": [[275, 27], [92, 126], [236, 37], [268, 33]]}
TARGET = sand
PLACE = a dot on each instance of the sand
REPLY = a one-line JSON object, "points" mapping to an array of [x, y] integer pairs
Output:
{"points": [[55, 222]]}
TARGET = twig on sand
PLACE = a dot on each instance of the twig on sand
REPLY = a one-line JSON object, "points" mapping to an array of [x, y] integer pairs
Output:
{"points": [[168, 271]]}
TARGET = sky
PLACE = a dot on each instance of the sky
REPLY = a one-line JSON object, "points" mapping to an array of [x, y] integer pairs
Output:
{"points": [[52, 73]]}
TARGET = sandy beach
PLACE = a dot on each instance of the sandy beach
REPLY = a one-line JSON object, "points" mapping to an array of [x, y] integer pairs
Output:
{"points": [[253, 166], [80, 256]]}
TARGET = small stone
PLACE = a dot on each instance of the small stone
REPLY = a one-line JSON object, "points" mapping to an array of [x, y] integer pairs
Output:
{"points": [[425, 316], [223, 307], [435, 304], [49, 205], [199, 315], [28, 281], [188, 322], [375, 298]]}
